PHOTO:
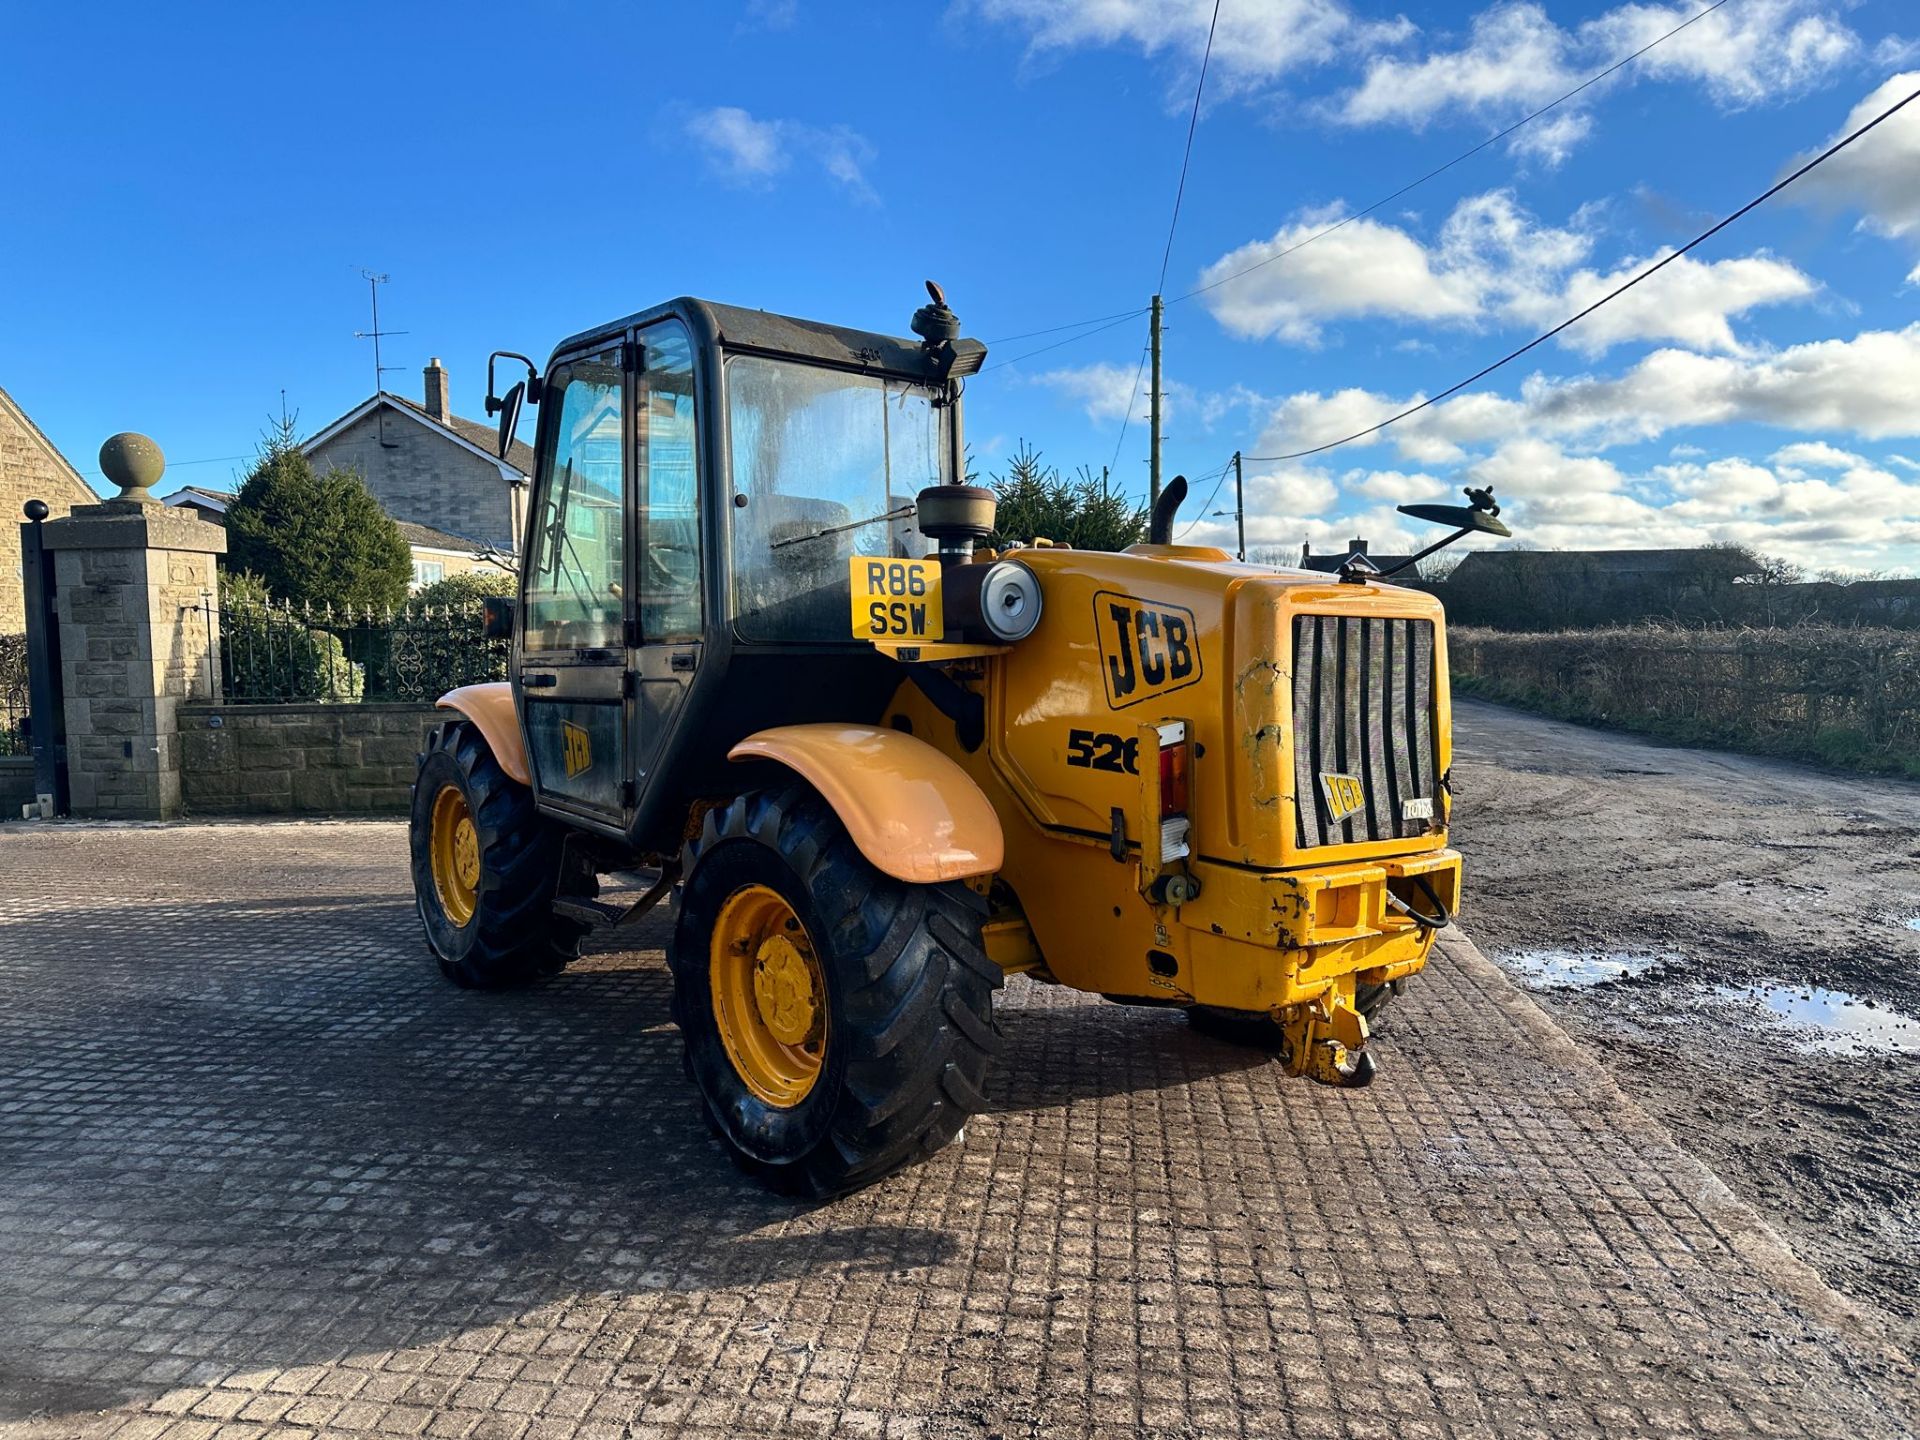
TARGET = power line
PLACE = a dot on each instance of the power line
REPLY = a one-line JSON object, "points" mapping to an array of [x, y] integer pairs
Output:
{"points": [[1463, 155], [181, 464], [1384, 200], [1056, 329], [1210, 498], [1193, 124], [1132, 396], [1071, 339], [1613, 294]]}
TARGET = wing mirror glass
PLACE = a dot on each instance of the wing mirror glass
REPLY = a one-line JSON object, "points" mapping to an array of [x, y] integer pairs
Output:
{"points": [[1459, 517], [510, 404]]}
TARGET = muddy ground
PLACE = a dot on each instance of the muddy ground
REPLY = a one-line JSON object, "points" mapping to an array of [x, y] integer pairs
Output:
{"points": [[1685, 913]]}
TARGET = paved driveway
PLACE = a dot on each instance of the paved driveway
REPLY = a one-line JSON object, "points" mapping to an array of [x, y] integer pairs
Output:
{"points": [[262, 1172]]}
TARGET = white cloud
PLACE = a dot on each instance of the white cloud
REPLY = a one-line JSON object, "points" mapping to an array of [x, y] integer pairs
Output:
{"points": [[1515, 59], [1879, 174], [1254, 42], [750, 152], [1103, 391], [1868, 387], [1492, 261], [771, 14]]}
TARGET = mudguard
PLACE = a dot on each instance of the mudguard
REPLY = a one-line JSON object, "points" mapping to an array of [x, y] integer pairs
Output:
{"points": [[913, 813], [490, 708]]}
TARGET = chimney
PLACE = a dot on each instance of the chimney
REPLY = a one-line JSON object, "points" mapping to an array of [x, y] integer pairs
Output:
{"points": [[1355, 546], [1306, 551], [439, 406]]}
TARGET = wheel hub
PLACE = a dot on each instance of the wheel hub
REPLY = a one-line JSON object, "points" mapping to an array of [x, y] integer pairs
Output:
{"points": [[769, 995], [783, 990], [453, 847]]}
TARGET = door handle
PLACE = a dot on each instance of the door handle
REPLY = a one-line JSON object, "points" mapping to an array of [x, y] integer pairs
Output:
{"points": [[682, 662], [538, 680]]}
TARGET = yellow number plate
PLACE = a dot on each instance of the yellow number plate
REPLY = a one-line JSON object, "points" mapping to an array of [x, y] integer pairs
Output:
{"points": [[896, 599]]}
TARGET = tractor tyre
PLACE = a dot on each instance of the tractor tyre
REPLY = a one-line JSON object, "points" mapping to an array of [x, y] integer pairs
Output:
{"points": [[837, 1022], [486, 868], [1370, 1000]]}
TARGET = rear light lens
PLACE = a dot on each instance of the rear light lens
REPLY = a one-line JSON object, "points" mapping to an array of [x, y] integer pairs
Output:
{"points": [[1176, 758], [1173, 769]]}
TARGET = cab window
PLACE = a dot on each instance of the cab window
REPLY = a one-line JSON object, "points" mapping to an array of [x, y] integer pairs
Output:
{"points": [[665, 453], [575, 591], [826, 465]]}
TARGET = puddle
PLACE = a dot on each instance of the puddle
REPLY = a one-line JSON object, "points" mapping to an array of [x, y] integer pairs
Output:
{"points": [[1830, 1022], [1912, 922], [1579, 969]]}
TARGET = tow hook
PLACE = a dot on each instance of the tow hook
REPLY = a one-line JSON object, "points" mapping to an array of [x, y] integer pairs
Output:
{"points": [[1327, 1042]]}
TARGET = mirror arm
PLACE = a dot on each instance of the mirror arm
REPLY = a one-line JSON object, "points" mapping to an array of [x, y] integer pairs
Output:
{"points": [[533, 379], [1413, 560]]}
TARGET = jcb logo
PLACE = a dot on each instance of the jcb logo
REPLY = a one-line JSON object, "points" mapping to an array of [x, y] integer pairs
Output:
{"points": [[1147, 647], [1345, 795], [576, 748]]}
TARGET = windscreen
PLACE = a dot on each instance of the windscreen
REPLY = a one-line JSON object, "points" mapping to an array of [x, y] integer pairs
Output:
{"points": [[827, 464]]}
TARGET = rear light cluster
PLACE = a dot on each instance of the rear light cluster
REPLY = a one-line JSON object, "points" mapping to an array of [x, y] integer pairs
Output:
{"points": [[1176, 763]]}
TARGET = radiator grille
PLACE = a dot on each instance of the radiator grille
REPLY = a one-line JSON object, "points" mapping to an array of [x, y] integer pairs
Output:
{"points": [[1363, 707]]}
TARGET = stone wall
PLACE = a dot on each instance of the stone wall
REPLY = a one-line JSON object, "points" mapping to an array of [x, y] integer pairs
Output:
{"points": [[30, 469], [422, 474], [301, 759], [16, 784]]}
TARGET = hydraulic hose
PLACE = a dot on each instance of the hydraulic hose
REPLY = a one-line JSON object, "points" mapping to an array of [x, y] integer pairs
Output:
{"points": [[1425, 922]]}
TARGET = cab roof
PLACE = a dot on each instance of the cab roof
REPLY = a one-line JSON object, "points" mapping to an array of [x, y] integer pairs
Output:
{"points": [[761, 330]]}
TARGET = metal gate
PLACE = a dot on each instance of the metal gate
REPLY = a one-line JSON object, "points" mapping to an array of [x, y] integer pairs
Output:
{"points": [[46, 724]]}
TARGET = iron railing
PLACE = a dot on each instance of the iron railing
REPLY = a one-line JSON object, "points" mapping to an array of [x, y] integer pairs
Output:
{"points": [[13, 695], [275, 653]]}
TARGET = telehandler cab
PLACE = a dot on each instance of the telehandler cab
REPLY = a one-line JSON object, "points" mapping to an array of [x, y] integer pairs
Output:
{"points": [[761, 653]]}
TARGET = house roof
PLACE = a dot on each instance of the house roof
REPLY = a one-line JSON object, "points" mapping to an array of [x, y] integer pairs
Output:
{"points": [[425, 537], [480, 433], [201, 496], [469, 435], [87, 495]]}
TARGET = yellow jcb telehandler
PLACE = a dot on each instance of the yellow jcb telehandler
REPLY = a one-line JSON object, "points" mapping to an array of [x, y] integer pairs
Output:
{"points": [[761, 653]]}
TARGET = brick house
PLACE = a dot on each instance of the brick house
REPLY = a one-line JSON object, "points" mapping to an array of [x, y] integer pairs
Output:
{"points": [[459, 506], [429, 467], [30, 469]]}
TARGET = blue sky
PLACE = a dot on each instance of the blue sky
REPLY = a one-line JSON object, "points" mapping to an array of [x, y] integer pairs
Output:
{"points": [[191, 202]]}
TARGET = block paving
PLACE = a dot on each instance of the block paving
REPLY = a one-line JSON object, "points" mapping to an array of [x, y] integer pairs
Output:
{"points": [[262, 1172]]}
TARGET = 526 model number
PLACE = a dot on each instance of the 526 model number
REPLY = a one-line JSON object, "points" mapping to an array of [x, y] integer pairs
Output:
{"points": [[1103, 750]]}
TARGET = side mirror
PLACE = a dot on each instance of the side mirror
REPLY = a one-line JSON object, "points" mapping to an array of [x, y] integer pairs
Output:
{"points": [[516, 396], [497, 612]]}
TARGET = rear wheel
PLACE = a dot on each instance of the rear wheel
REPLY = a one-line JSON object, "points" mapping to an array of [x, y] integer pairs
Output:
{"points": [[486, 868], [837, 1022]]}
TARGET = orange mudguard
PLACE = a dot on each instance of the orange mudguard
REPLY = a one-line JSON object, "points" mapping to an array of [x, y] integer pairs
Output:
{"points": [[914, 814], [490, 708]]}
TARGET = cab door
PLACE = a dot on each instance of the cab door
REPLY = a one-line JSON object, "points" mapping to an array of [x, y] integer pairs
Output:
{"points": [[573, 657], [668, 558]]}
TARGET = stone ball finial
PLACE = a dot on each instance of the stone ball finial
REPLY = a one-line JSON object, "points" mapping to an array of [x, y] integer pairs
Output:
{"points": [[135, 464]]}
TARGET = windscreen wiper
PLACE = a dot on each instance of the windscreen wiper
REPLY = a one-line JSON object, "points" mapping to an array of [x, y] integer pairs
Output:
{"points": [[898, 514]]}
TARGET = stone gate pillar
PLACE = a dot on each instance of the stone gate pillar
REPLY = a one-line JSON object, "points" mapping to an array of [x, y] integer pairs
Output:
{"points": [[130, 574]]}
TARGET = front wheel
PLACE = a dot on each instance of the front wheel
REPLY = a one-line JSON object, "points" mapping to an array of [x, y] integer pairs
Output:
{"points": [[486, 868], [837, 1022]]}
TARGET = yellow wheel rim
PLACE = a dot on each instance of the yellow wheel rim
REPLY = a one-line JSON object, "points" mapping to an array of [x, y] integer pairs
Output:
{"points": [[455, 850], [769, 995]]}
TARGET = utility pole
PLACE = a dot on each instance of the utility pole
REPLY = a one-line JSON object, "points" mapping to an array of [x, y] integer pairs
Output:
{"points": [[1239, 505], [1153, 463]]}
